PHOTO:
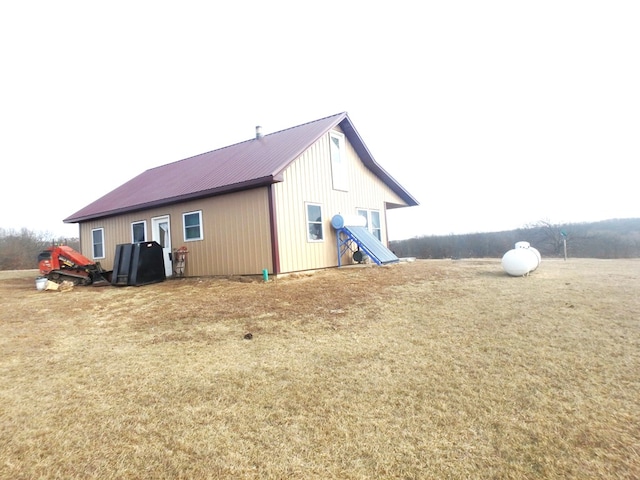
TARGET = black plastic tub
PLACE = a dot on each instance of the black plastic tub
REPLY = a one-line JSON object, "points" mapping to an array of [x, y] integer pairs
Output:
{"points": [[138, 264]]}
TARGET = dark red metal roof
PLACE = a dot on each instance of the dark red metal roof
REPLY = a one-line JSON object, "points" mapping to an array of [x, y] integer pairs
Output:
{"points": [[249, 164]]}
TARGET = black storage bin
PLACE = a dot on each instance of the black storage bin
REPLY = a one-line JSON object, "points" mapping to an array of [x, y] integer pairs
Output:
{"points": [[138, 264]]}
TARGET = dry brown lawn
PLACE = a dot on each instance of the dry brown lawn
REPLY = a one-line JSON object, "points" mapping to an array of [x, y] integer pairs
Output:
{"points": [[433, 369]]}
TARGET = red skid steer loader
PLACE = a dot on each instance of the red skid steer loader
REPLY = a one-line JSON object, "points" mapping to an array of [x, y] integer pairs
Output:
{"points": [[59, 263]]}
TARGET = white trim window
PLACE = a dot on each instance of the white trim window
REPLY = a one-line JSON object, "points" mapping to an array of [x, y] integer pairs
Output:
{"points": [[97, 243], [139, 231], [315, 231], [192, 226], [373, 221], [339, 175]]}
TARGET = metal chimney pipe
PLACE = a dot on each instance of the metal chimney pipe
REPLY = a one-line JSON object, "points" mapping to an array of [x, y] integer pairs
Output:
{"points": [[258, 132]]}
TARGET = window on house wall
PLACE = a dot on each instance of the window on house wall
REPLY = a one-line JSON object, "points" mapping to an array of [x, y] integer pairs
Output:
{"points": [[373, 221], [314, 223], [192, 223], [338, 162], [375, 227], [138, 232], [97, 241]]}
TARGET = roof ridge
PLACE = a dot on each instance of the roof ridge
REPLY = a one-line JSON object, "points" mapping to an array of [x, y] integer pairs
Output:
{"points": [[199, 154], [248, 140], [305, 123]]}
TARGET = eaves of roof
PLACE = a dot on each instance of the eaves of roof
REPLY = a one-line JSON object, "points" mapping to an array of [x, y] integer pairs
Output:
{"points": [[246, 185], [365, 155]]}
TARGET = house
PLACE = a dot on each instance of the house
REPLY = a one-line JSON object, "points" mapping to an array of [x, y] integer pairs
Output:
{"points": [[262, 204]]}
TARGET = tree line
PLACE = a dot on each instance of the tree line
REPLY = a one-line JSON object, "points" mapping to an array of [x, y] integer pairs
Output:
{"points": [[19, 249], [616, 238]]}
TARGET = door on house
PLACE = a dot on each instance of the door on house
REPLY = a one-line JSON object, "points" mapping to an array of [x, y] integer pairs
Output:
{"points": [[161, 233]]}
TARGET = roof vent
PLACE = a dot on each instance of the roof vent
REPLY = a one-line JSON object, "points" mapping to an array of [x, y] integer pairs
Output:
{"points": [[258, 132]]}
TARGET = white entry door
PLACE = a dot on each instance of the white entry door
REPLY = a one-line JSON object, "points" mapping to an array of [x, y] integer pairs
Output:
{"points": [[161, 233]]}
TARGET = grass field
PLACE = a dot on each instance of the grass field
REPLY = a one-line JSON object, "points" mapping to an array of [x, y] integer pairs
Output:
{"points": [[433, 369]]}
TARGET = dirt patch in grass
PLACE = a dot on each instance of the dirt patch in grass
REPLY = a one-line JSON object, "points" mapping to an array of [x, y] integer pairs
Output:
{"points": [[432, 369]]}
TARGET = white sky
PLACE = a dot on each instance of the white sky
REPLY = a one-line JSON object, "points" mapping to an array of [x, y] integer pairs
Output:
{"points": [[493, 114]]}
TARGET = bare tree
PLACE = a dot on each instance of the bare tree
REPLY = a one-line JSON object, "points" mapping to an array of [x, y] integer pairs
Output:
{"points": [[19, 249]]}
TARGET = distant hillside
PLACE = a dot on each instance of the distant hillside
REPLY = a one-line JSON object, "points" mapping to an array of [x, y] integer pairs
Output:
{"points": [[615, 238]]}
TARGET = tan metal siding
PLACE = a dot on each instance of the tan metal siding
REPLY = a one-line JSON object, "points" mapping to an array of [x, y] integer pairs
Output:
{"points": [[237, 236], [308, 179], [236, 233]]}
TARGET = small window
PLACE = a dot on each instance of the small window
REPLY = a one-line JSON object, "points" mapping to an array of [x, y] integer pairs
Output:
{"points": [[192, 222], [374, 226], [138, 232], [365, 214], [97, 239], [338, 161], [314, 223]]}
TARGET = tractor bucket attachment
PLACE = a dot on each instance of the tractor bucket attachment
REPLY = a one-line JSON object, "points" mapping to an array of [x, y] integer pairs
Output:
{"points": [[101, 279]]}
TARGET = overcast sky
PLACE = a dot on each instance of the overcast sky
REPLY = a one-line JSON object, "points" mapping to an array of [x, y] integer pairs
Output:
{"points": [[493, 114]]}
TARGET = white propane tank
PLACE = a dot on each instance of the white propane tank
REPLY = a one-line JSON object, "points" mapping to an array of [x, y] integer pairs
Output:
{"points": [[537, 254], [521, 260]]}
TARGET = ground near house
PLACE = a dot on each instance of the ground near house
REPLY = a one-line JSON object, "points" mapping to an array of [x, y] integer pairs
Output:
{"points": [[432, 369]]}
